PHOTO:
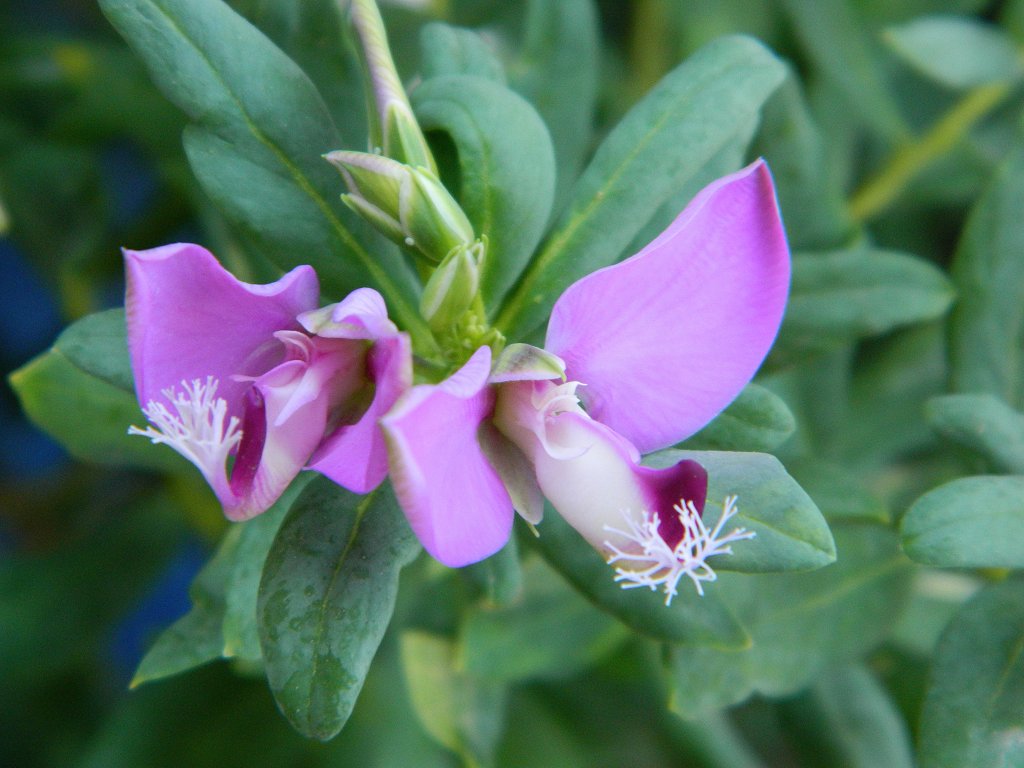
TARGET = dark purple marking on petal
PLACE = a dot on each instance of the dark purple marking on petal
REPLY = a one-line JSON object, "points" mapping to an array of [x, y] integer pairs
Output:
{"points": [[254, 437], [687, 481]]}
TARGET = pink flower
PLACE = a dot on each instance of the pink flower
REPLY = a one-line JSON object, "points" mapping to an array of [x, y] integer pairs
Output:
{"points": [[652, 349], [227, 369]]}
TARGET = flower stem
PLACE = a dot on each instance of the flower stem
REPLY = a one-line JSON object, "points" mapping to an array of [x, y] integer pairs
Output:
{"points": [[879, 192]]}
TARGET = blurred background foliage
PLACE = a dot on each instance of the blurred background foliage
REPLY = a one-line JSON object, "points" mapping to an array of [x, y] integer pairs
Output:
{"points": [[895, 143]]}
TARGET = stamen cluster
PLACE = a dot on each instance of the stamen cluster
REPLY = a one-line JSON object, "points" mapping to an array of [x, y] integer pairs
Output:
{"points": [[658, 564], [197, 431]]}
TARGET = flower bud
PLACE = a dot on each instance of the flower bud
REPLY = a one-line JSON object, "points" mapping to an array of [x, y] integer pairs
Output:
{"points": [[408, 205], [393, 128], [450, 291]]}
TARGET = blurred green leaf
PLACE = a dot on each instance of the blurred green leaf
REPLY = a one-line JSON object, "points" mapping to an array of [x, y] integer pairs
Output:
{"points": [[757, 420], [988, 319], [557, 71], [847, 720], [811, 201], [983, 52], [259, 131], [89, 416], [690, 618], [196, 638], [840, 296], [449, 50], [98, 345], [974, 711], [506, 165], [970, 522], [460, 711], [551, 633], [983, 423], [791, 533], [800, 624], [325, 600], [839, 493], [500, 576], [841, 49], [893, 379], [665, 140]]}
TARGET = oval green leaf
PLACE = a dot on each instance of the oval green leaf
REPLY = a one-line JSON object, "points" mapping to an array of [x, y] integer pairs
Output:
{"points": [[791, 533], [972, 522], [506, 164], [983, 423], [974, 709], [326, 598]]}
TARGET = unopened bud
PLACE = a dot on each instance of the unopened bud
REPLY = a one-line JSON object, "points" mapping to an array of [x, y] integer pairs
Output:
{"points": [[392, 126], [452, 287], [408, 205]]}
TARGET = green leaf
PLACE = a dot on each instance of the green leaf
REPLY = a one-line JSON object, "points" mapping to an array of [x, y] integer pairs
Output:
{"points": [[461, 712], [840, 494], [984, 53], [500, 576], [728, 159], [894, 378], [196, 638], [260, 128], [326, 598], [449, 50], [972, 522], [842, 51], [848, 720], [690, 618], [315, 34], [678, 127], [241, 593], [98, 345], [791, 533], [87, 415], [506, 164], [799, 624], [552, 633], [558, 73], [974, 710], [845, 295], [983, 423], [757, 420], [988, 320]]}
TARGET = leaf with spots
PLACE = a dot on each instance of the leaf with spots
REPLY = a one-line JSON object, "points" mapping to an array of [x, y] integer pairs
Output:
{"points": [[326, 597]]}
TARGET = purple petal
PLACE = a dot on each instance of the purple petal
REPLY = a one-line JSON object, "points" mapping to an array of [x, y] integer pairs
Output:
{"points": [[666, 339], [360, 315], [355, 456], [189, 318], [452, 496]]}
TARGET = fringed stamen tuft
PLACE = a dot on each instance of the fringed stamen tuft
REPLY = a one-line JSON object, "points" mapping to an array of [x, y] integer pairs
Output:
{"points": [[197, 431], [657, 564]]}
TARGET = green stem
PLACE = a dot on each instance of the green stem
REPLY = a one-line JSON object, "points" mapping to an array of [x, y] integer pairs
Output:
{"points": [[908, 161]]}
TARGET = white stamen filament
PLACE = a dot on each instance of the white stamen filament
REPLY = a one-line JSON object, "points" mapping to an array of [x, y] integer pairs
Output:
{"points": [[197, 432], [660, 565]]}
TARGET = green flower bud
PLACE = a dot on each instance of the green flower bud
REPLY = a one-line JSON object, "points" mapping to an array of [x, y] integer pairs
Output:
{"points": [[452, 287], [408, 205], [393, 128]]}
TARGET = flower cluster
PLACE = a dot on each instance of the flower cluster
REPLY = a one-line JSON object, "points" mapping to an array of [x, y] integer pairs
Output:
{"points": [[254, 383]]}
